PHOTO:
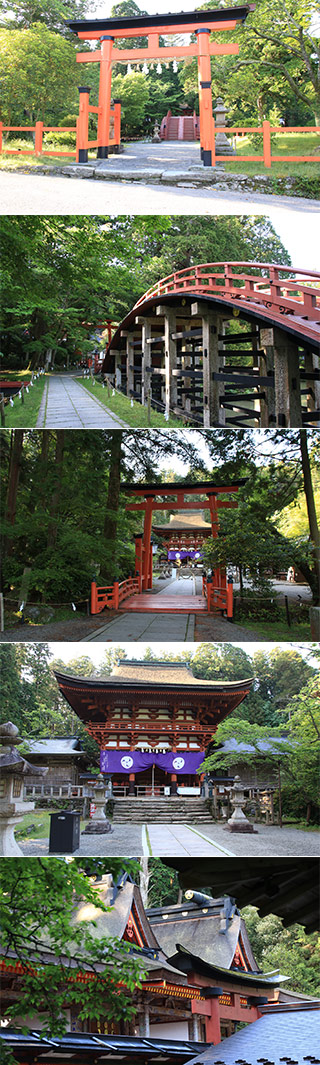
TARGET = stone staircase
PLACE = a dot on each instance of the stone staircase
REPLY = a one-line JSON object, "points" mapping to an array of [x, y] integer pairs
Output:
{"points": [[162, 810]]}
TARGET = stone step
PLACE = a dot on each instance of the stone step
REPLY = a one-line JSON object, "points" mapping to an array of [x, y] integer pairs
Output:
{"points": [[161, 810]]}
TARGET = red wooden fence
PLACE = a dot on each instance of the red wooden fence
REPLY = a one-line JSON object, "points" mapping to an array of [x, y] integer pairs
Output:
{"points": [[81, 130]]}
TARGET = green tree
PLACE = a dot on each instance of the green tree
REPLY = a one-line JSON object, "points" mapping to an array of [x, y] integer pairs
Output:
{"points": [[290, 950], [22, 14], [39, 75], [133, 92], [37, 912]]}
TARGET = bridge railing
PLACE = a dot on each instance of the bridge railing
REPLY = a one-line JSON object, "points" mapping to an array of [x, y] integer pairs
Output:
{"points": [[298, 295], [218, 591], [110, 596]]}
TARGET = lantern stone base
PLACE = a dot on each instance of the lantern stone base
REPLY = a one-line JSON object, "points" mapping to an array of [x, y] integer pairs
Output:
{"points": [[240, 827], [10, 817], [97, 828]]}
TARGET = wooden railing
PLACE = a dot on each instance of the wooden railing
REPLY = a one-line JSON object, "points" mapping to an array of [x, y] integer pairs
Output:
{"points": [[81, 130], [265, 131], [218, 591], [298, 297], [110, 596]]}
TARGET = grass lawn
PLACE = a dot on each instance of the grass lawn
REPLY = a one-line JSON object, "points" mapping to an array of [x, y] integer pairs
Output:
{"points": [[24, 415], [282, 144], [276, 630], [40, 819], [121, 406]]}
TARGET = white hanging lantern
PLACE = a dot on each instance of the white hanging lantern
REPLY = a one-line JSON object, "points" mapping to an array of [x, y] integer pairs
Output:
{"points": [[175, 66], [129, 68], [159, 68], [145, 68]]}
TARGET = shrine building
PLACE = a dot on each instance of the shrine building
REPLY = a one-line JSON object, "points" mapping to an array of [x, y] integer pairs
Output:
{"points": [[184, 536], [152, 721], [200, 979]]}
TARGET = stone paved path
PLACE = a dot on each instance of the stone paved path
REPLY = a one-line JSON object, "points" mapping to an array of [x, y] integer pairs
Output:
{"points": [[66, 404], [176, 839]]}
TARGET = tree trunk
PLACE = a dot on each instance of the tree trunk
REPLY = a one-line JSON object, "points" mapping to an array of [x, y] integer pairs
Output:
{"points": [[55, 498], [241, 579], [13, 482], [312, 515], [113, 496]]}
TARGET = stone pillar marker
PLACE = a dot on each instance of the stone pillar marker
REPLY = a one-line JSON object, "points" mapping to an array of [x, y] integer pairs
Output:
{"points": [[13, 769], [238, 822], [98, 824]]}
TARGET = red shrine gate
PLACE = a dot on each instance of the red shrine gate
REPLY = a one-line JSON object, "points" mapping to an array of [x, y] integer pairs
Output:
{"points": [[217, 588], [201, 23]]}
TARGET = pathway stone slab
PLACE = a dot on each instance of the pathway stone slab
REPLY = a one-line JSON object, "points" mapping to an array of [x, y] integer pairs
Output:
{"points": [[66, 404], [136, 626]]}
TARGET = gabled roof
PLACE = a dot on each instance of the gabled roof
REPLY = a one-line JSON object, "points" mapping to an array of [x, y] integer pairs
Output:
{"points": [[150, 673], [68, 746], [191, 519], [200, 931], [286, 1034], [188, 962]]}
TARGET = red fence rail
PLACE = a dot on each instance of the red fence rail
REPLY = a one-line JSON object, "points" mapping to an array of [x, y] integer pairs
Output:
{"points": [[298, 297], [81, 130], [110, 596], [219, 593], [267, 157]]}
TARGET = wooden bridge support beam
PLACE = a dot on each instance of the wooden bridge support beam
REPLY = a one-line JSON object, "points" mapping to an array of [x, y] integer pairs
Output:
{"points": [[212, 327], [146, 334], [170, 355], [286, 380], [129, 361], [268, 405]]}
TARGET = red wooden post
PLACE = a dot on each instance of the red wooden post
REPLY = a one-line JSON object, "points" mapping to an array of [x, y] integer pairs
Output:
{"points": [[116, 595], [38, 138], [117, 124], [205, 97], [94, 598], [146, 545], [82, 125], [105, 96], [266, 144], [230, 599]]}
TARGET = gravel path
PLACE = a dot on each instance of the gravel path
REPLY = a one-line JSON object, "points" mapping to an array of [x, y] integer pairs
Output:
{"points": [[163, 839]]}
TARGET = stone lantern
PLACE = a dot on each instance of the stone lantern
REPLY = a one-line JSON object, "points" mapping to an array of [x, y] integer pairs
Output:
{"points": [[238, 822], [98, 823], [156, 139], [223, 146], [13, 769]]}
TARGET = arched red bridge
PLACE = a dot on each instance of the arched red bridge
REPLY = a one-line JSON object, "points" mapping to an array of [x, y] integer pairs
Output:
{"points": [[231, 344]]}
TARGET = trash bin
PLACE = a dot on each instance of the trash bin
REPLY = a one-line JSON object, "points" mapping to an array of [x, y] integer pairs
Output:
{"points": [[64, 832]]}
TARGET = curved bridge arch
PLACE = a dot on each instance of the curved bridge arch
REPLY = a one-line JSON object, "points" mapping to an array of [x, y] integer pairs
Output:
{"points": [[178, 345]]}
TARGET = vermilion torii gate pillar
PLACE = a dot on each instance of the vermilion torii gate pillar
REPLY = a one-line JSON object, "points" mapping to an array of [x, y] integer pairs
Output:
{"points": [[200, 23]]}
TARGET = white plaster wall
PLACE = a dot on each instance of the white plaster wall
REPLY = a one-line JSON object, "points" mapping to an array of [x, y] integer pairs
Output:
{"points": [[178, 1030]]}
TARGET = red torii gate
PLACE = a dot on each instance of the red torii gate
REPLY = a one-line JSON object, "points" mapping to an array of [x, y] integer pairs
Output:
{"points": [[173, 497], [202, 23]]}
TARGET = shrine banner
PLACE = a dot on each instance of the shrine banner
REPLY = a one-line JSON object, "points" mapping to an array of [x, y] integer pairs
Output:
{"points": [[137, 761], [183, 554]]}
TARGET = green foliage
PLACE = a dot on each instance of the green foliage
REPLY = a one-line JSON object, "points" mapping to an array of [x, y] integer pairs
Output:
{"points": [[39, 75], [22, 14], [133, 92], [163, 884], [290, 950], [37, 909]]}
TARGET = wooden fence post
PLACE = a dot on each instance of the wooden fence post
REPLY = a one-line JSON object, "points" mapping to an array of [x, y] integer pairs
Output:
{"points": [[230, 600], [3, 420], [93, 598], [38, 138], [266, 144], [116, 595]]}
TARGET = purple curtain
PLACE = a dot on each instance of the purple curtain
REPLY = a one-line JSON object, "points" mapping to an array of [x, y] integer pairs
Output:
{"points": [[172, 555], [136, 761]]}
